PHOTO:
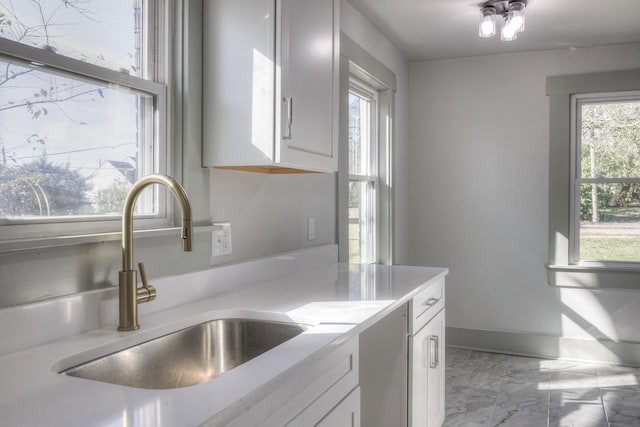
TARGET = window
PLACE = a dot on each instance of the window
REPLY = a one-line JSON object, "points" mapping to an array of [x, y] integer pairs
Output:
{"points": [[594, 180], [363, 171], [82, 113], [365, 176], [606, 182]]}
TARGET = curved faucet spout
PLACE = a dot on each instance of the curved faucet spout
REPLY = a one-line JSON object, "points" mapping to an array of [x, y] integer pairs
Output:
{"points": [[130, 203], [129, 293]]}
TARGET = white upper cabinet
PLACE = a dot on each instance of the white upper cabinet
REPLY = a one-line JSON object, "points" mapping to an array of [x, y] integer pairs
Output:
{"points": [[271, 85], [309, 83]]}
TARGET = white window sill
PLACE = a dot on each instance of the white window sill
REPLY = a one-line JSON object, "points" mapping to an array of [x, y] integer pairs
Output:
{"points": [[18, 245], [594, 277]]}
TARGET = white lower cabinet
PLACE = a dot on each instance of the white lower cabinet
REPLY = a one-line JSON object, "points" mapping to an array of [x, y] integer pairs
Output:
{"points": [[325, 393], [339, 404], [345, 414], [427, 374], [402, 374], [325, 413]]}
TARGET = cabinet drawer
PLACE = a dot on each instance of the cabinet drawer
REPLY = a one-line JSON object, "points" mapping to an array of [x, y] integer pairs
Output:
{"points": [[345, 413], [343, 376], [425, 305], [310, 394]]}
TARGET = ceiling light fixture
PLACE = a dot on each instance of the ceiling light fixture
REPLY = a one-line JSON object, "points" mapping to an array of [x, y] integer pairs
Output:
{"points": [[512, 13]]}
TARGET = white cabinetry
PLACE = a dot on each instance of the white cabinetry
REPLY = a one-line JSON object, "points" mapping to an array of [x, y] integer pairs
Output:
{"points": [[271, 85], [345, 413], [427, 378], [426, 358], [402, 364], [325, 393]]}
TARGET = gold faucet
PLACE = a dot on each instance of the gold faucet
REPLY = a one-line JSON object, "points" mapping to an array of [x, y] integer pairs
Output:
{"points": [[129, 293]]}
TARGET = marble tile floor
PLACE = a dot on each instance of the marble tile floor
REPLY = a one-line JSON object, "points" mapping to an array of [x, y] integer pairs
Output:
{"points": [[489, 389]]}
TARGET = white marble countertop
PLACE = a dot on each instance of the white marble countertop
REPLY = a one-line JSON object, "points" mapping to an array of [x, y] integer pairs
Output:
{"points": [[338, 300]]}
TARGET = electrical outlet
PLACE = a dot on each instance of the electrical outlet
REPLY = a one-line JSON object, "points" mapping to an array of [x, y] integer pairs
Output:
{"points": [[221, 239], [311, 228]]}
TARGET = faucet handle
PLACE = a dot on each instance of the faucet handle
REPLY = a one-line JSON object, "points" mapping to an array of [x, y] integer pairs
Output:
{"points": [[147, 292], [143, 274]]}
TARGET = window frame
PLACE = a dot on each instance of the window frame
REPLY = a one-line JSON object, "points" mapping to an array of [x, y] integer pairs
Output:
{"points": [[356, 61], [27, 233], [365, 91], [578, 100], [561, 270]]}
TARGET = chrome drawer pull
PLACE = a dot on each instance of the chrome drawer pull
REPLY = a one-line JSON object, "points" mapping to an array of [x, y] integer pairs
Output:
{"points": [[431, 301], [434, 350]]}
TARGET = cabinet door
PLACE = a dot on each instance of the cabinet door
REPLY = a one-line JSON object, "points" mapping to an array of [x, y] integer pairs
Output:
{"points": [[238, 82], [344, 414], [309, 53], [427, 405]]}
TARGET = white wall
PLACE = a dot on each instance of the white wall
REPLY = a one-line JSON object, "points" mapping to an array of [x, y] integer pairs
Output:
{"points": [[268, 213], [353, 24], [479, 193]]}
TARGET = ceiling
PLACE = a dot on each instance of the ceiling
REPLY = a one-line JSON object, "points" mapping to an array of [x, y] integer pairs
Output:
{"points": [[440, 29]]}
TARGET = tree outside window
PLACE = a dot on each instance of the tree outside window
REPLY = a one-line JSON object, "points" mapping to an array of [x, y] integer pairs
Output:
{"points": [[608, 179], [62, 131]]}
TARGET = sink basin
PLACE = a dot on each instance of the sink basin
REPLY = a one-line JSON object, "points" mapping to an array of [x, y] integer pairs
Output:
{"points": [[189, 356]]}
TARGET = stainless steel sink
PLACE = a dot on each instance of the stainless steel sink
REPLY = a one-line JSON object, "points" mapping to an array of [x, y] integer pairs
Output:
{"points": [[189, 356]]}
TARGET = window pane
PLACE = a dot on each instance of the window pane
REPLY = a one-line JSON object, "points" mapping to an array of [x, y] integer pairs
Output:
{"points": [[102, 32], [610, 139], [359, 135], [610, 222], [70, 146], [361, 222]]}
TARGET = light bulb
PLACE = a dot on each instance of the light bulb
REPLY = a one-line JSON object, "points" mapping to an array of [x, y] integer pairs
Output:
{"points": [[509, 30], [487, 22], [517, 15]]}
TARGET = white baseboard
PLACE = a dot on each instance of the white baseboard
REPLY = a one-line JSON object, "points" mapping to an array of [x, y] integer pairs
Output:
{"points": [[548, 347]]}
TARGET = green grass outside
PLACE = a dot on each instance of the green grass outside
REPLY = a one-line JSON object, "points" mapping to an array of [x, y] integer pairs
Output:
{"points": [[610, 248]]}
